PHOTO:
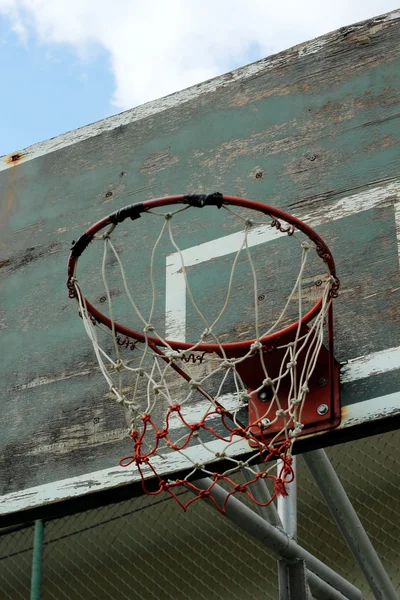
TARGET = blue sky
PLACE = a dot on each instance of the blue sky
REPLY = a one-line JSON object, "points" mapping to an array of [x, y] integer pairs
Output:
{"points": [[48, 90], [67, 63]]}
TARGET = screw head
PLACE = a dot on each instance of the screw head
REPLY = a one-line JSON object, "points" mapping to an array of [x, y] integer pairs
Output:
{"points": [[322, 409], [265, 394], [322, 381]]}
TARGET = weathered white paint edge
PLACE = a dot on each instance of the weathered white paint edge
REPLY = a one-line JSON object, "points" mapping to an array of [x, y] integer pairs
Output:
{"points": [[145, 110], [373, 364], [109, 478], [175, 299], [395, 14], [317, 44], [397, 222], [374, 408], [156, 106]]}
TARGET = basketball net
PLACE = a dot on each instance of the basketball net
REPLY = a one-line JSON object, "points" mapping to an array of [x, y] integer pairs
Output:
{"points": [[195, 403]]}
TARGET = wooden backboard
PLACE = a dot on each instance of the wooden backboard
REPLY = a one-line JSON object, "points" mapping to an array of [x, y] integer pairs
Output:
{"points": [[313, 130]]}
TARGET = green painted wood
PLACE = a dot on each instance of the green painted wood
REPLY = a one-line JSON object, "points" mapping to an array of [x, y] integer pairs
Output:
{"points": [[310, 130]]}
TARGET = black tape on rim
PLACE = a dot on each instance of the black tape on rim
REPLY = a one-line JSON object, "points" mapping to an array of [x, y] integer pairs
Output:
{"points": [[132, 211], [79, 246], [200, 200]]}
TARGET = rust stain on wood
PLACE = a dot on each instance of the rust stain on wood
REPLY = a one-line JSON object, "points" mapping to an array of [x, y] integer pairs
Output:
{"points": [[15, 158], [382, 142], [388, 97]]}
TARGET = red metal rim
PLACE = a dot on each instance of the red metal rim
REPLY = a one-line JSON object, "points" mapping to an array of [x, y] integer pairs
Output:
{"points": [[229, 347]]}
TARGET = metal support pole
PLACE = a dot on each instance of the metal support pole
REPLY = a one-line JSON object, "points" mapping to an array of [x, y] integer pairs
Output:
{"points": [[293, 580], [322, 590], [274, 539], [292, 574], [349, 525], [260, 491], [287, 505], [37, 560]]}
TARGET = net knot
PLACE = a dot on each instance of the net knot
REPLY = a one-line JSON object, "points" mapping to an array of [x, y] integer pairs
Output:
{"points": [[133, 434], [157, 389], [220, 455], [161, 434], [205, 334], [245, 396], [295, 401], [280, 412], [119, 365], [194, 427], [194, 384], [291, 364], [148, 327], [267, 381], [249, 223], [296, 431], [227, 364], [145, 418], [280, 487], [239, 488], [274, 451], [238, 431], [305, 389], [306, 246], [168, 216], [175, 355], [204, 493], [119, 399], [220, 410], [255, 346], [174, 407]]}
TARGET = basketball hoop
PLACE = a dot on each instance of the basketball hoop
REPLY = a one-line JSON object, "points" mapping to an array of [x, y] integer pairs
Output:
{"points": [[283, 377]]}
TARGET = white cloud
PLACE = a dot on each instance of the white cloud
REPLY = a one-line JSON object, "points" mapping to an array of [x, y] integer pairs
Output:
{"points": [[162, 46]]}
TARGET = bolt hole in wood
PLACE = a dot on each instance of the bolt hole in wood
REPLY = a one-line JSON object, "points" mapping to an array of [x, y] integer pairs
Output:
{"points": [[14, 158]]}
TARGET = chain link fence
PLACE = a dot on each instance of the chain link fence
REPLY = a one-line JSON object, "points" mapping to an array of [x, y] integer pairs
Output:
{"points": [[148, 548]]}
